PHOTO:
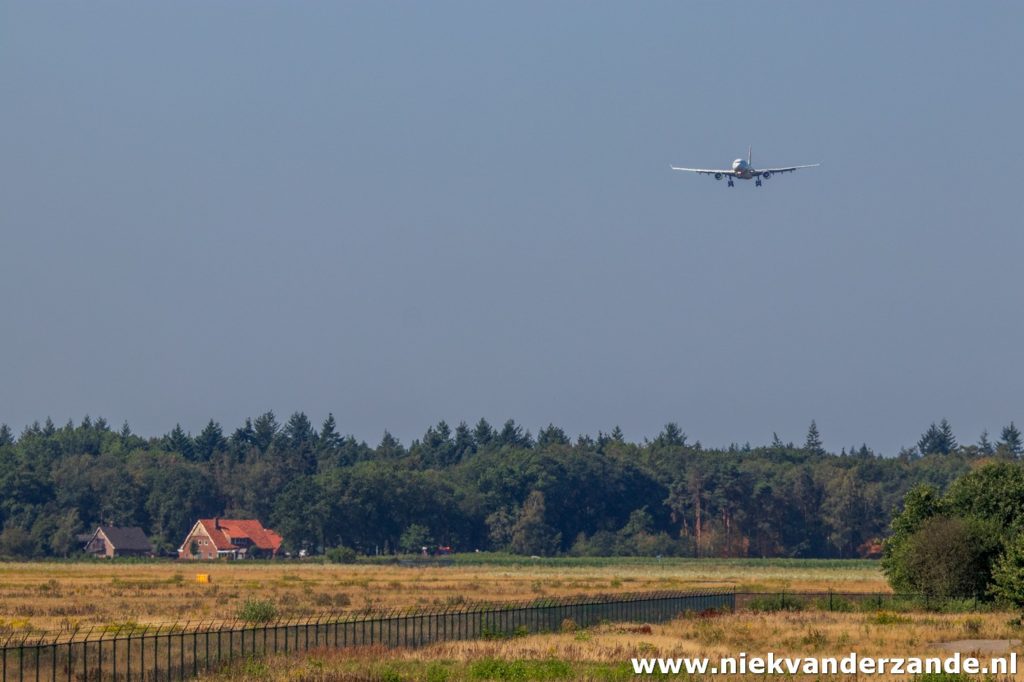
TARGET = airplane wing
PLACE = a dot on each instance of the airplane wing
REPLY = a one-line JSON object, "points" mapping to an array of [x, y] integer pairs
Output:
{"points": [[787, 169], [705, 171]]}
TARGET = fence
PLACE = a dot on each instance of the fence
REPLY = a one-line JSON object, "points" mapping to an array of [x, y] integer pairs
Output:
{"points": [[168, 652], [854, 601]]}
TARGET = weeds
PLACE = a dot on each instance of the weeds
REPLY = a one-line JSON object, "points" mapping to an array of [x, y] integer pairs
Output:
{"points": [[497, 669], [888, 618], [972, 626], [258, 611]]}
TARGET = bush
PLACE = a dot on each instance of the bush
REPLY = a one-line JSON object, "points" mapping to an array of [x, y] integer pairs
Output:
{"points": [[258, 611], [341, 555], [947, 557], [1008, 573]]}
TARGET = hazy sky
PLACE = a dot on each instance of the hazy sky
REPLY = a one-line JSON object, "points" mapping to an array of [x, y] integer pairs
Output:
{"points": [[406, 212]]}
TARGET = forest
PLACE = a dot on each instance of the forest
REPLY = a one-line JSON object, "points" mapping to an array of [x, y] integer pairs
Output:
{"points": [[471, 488]]}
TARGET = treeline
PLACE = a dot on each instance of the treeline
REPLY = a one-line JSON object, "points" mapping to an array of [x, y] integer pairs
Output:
{"points": [[471, 487]]}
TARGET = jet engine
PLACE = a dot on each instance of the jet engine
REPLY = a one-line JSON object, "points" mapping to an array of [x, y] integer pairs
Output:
{"points": [[718, 176], [766, 175]]}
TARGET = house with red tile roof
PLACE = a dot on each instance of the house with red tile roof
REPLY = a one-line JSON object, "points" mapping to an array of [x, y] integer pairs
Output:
{"points": [[219, 538]]}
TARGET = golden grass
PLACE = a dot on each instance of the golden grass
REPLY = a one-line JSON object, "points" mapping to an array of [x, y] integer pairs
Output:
{"points": [[62, 595], [603, 652]]}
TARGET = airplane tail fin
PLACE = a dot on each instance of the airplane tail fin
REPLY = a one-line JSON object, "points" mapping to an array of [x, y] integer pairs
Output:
{"points": [[750, 156]]}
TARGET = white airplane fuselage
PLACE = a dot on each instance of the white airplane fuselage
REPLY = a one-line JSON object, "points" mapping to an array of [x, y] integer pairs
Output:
{"points": [[743, 170]]}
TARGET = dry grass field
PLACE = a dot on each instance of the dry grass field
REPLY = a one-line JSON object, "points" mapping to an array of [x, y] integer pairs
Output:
{"points": [[62, 595], [36, 596], [603, 653]]}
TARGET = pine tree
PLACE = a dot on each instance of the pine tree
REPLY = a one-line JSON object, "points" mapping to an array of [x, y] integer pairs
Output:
{"points": [[464, 443], [948, 439], [298, 431], [777, 443], [483, 434], [6, 435], [671, 435], [177, 441], [244, 437], [937, 439], [1010, 440], [328, 438], [551, 435], [512, 434], [265, 430], [210, 440], [585, 442], [389, 447], [813, 442], [617, 435], [984, 444]]}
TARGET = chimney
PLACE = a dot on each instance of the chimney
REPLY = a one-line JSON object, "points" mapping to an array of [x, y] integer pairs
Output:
{"points": [[216, 522]]}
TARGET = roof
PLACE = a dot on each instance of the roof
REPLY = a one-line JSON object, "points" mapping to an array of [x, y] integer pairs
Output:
{"points": [[223, 532], [130, 538]]}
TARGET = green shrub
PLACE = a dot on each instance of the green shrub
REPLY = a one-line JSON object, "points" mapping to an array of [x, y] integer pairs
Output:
{"points": [[258, 611], [951, 557], [341, 555]]}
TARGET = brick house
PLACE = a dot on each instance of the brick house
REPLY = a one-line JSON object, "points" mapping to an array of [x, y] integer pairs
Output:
{"points": [[219, 538], [113, 541]]}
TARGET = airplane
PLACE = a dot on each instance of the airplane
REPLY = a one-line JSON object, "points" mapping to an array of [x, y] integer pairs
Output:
{"points": [[744, 170]]}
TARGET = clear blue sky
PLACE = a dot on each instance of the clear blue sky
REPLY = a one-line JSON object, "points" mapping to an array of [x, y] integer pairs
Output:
{"points": [[406, 212]]}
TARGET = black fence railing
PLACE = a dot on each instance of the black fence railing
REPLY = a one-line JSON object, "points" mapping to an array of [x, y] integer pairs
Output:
{"points": [[183, 650], [856, 601]]}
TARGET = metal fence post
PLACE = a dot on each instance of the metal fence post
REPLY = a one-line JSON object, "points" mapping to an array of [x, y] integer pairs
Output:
{"points": [[113, 654], [128, 656]]}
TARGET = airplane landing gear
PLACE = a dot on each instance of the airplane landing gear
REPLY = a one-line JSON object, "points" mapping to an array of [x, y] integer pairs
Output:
{"points": [[757, 183], [731, 184]]}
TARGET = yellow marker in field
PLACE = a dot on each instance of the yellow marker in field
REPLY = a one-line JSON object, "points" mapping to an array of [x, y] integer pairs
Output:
{"points": [[202, 577]]}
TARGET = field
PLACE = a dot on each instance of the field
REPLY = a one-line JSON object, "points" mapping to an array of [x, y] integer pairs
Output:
{"points": [[602, 653], [60, 595], [35, 596]]}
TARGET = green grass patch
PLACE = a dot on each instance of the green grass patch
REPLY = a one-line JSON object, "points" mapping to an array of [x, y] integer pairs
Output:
{"points": [[498, 669]]}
